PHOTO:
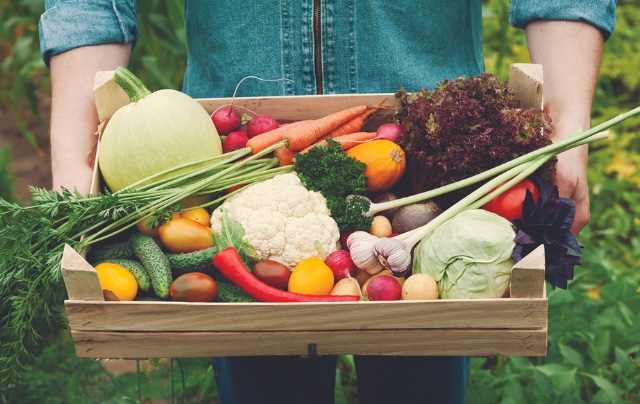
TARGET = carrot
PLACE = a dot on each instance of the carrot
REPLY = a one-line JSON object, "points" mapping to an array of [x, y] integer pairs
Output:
{"points": [[266, 139], [346, 141], [285, 155], [353, 125], [304, 133]]}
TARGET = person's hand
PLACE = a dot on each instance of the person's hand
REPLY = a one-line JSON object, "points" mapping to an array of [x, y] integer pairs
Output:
{"points": [[571, 179]]}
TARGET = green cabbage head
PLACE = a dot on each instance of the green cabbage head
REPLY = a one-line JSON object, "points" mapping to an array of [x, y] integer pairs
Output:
{"points": [[469, 255]]}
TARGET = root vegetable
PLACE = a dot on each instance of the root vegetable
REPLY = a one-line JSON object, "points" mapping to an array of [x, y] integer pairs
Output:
{"points": [[384, 287], [346, 287], [234, 141], [260, 124], [225, 120], [412, 216], [381, 226], [389, 131], [365, 285], [420, 287], [341, 264]]}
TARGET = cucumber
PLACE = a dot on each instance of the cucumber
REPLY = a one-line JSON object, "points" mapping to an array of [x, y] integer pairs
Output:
{"points": [[154, 261], [138, 270], [197, 261], [107, 252]]}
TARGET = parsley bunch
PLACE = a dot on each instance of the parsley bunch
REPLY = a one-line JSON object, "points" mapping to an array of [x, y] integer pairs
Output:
{"points": [[328, 170]]}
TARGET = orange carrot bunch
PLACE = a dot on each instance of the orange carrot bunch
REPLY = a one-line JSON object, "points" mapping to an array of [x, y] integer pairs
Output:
{"points": [[305, 134]]}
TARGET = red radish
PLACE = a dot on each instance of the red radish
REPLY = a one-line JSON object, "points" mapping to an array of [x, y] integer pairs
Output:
{"points": [[234, 141], [260, 124], [384, 287], [341, 264], [225, 120], [389, 131], [243, 129], [343, 240]]}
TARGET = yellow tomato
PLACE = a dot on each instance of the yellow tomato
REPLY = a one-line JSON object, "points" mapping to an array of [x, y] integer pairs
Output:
{"points": [[311, 277], [118, 280], [199, 215], [185, 235]]}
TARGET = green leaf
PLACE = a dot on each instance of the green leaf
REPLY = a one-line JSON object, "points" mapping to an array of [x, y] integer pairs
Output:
{"points": [[611, 391], [571, 356], [598, 348], [624, 360], [231, 235], [560, 375]]}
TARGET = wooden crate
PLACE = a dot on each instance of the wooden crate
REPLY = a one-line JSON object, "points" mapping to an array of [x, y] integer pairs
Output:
{"points": [[477, 327]]}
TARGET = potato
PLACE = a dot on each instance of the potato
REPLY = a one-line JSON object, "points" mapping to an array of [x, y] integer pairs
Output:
{"points": [[419, 287], [381, 226], [361, 276], [346, 286]]}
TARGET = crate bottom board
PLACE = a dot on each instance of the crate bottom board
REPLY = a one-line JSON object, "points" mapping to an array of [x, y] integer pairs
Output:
{"points": [[441, 342]]}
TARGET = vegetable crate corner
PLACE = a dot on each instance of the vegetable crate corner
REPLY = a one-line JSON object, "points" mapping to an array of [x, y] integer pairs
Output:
{"points": [[514, 325]]}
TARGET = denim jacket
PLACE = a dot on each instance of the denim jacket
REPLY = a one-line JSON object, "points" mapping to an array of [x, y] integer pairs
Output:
{"points": [[331, 47]]}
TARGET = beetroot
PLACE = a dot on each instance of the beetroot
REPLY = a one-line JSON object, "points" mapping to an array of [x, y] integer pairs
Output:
{"points": [[225, 120], [234, 141], [261, 124]]}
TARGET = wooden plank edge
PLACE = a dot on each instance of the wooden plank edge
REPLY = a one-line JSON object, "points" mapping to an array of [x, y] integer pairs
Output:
{"points": [[226, 317], [135, 345], [528, 276], [80, 278]]}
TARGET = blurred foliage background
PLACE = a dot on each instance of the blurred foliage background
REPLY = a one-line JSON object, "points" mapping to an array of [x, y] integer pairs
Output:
{"points": [[594, 326]]}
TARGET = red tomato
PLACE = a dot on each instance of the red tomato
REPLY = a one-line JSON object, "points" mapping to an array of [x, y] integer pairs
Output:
{"points": [[193, 287], [273, 273], [185, 235], [509, 203]]}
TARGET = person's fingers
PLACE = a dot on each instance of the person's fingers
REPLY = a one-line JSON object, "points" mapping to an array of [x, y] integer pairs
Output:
{"points": [[571, 179]]}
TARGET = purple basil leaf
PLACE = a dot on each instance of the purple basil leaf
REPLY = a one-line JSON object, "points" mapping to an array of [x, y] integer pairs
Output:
{"points": [[548, 222]]}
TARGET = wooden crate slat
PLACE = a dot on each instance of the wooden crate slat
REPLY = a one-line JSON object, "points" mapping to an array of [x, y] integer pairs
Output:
{"points": [[304, 106], [132, 345], [174, 316]]}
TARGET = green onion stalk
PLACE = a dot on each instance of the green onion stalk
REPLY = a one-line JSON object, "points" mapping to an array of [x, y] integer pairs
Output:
{"points": [[32, 240]]}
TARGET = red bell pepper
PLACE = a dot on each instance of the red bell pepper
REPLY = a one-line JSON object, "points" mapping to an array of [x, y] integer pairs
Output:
{"points": [[231, 266]]}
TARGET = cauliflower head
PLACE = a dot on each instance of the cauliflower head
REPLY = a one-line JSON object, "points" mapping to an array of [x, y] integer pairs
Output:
{"points": [[282, 219]]}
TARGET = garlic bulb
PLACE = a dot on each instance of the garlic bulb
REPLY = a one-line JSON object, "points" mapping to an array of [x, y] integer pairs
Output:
{"points": [[393, 255], [361, 247]]}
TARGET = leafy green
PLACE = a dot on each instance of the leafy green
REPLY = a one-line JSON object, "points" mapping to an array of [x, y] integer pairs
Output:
{"points": [[548, 222], [328, 170], [463, 127], [469, 255], [231, 235]]}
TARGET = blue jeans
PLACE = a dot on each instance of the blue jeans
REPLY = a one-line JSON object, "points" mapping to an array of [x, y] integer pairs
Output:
{"points": [[381, 379]]}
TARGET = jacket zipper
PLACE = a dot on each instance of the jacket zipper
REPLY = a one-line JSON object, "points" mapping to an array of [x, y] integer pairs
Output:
{"points": [[317, 45]]}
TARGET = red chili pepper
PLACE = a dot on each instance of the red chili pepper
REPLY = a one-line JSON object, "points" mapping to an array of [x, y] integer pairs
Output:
{"points": [[230, 265]]}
